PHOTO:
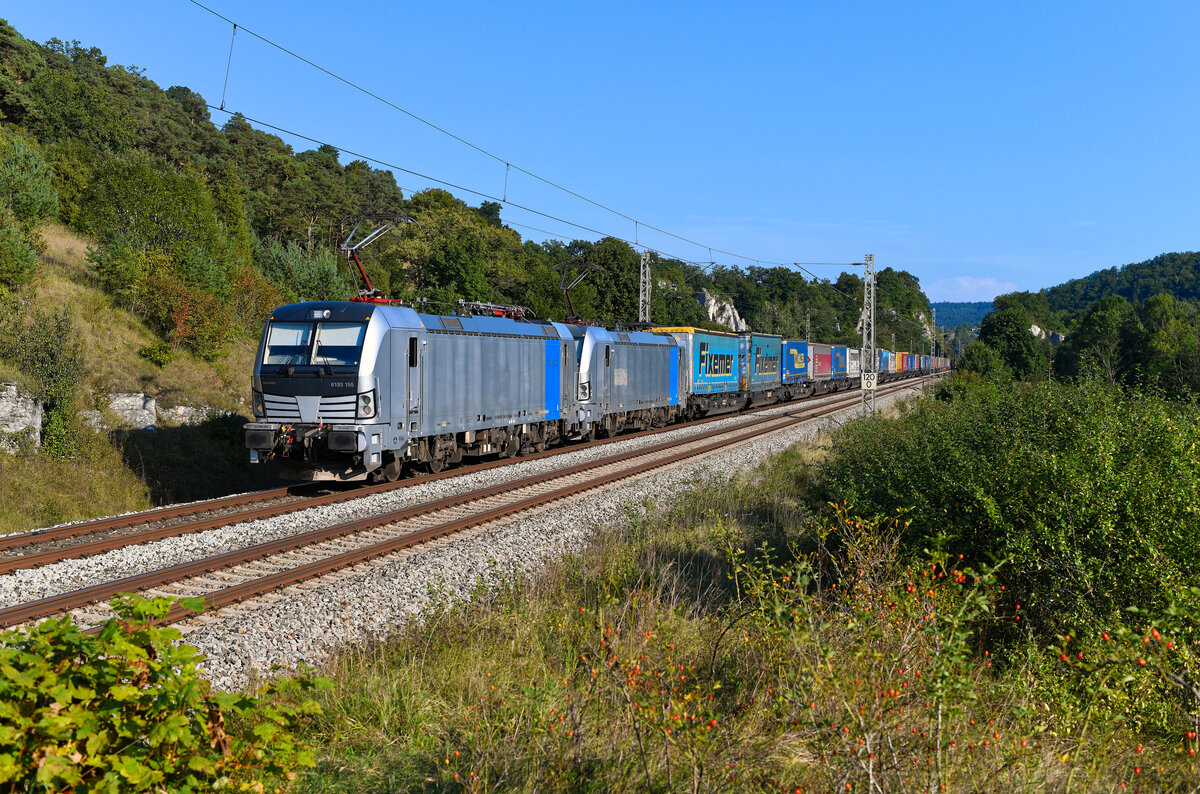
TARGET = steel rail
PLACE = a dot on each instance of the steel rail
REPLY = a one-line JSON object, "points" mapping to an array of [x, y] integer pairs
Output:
{"points": [[35, 559], [271, 582], [22, 613], [102, 545], [93, 525]]}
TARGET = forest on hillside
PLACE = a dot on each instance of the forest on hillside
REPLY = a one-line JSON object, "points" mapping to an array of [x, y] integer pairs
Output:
{"points": [[1152, 345], [951, 314], [1176, 274], [200, 229], [1061, 308]]}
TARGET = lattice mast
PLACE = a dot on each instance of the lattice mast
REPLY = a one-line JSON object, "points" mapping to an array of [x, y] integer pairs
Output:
{"points": [[644, 294], [870, 360]]}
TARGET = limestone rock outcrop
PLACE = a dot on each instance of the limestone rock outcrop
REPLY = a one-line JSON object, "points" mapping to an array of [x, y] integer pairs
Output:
{"points": [[20, 419]]}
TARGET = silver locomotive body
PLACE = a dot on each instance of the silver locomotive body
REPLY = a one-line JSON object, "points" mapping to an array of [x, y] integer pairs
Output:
{"points": [[356, 390], [627, 379]]}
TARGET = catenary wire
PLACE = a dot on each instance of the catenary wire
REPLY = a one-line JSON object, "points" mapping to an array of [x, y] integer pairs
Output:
{"points": [[702, 265], [507, 164]]}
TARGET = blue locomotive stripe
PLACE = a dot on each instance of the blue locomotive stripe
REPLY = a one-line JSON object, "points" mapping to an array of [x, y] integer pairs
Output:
{"points": [[553, 379], [674, 356]]}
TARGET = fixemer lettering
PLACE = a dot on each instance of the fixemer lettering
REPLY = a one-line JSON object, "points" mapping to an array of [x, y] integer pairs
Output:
{"points": [[714, 364], [765, 364]]}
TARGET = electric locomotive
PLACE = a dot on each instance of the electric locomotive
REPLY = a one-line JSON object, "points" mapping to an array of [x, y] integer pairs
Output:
{"points": [[354, 390]]}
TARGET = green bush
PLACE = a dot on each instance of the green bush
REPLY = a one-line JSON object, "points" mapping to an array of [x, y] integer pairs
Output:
{"points": [[300, 274], [1007, 331], [121, 266], [984, 361], [27, 197], [1145, 668], [1091, 492], [159, 354], [152, 204], [188, 316], [45, 347], [71, 162], [127, 710]]}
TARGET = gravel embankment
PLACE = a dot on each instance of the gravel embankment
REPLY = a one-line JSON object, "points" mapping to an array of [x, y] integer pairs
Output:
{"points": [[365, 603], [32, 584]]}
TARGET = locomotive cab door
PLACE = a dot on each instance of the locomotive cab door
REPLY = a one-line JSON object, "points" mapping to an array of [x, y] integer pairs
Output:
{"points": [[415, 369], [570, 375], [605, 397]]}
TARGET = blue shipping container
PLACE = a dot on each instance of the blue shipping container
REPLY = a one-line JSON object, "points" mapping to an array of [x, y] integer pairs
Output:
{"points": [[795, 361], [840, 361], [764, 364], [714, 362]]}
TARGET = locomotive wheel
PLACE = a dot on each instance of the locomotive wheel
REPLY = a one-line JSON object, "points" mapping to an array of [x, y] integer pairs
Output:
{"points": [[392, 471], [436, 465], [610, 427]]}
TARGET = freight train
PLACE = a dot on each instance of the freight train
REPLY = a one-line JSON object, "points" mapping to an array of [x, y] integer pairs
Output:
{"points": [[362, 390]]}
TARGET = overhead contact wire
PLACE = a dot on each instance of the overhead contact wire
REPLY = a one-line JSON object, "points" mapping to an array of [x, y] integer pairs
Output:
{"points": [[455, 186], [508, 165], [703, 266]]}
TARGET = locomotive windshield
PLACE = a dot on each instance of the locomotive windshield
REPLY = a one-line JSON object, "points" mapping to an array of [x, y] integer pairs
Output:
{"points": [[316, 344]]}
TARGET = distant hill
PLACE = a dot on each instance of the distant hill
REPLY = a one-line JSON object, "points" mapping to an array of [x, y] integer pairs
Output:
{"points": [[1177, 275], [952, 315]]}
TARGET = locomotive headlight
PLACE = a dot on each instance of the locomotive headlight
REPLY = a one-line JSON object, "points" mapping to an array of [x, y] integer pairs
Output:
{"points": [[366, 405], [256, 404]]}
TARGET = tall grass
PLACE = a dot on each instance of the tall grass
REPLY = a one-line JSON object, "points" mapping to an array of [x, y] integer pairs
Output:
{"points": [[41, 490], [739, 642], [111, 337]]}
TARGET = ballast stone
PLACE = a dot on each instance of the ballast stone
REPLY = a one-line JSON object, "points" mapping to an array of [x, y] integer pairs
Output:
{"points": [[20, 414]]}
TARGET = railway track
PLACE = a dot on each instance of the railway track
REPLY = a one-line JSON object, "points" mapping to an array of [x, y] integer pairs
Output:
{"points": [[74, 541], [235, 576]]}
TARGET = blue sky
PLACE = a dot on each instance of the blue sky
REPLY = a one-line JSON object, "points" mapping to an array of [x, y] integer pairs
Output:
{"points": [[982, 147]]}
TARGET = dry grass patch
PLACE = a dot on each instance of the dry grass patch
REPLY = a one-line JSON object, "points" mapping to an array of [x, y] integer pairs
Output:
{"points": [[111, 338], [40, 491]]}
